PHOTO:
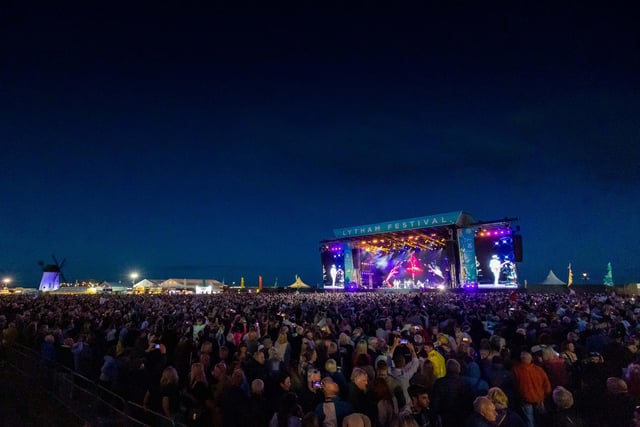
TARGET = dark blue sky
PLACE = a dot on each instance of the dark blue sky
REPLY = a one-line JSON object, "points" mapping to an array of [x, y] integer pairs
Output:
{"points": [[224, 142]]}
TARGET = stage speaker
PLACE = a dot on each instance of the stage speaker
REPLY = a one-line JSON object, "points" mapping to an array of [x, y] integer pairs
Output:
{"points": [[451, 250], [355, 253], [517, 247]]}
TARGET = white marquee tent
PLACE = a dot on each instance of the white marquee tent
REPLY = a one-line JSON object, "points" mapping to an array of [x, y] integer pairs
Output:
{"points": [[552, 279]]}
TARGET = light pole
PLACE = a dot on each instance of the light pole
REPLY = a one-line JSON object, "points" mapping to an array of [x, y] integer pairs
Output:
{"points": [[6, 281], [133, 276]]}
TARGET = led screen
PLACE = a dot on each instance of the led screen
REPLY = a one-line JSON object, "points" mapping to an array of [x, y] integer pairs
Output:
{"points": [[404, 269], [495, 261], [333, 267]]}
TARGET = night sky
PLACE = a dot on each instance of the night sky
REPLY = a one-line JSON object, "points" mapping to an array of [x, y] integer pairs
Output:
{"points": [[228, 142]]}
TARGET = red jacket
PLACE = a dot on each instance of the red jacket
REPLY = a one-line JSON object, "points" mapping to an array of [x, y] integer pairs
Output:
{"points": [[532, 382]]}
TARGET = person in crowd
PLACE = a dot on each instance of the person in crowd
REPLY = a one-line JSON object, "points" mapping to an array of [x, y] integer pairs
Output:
{"points": [[420, 407], [564, 414], [332, 370], [505, 417], [402, 370], [165, 399], [386, 403], [635, 421], [568, 352], [308, 361], [533, 387], [452, 397], [361, 349], [289, 413], [436, 359], [312, 392], [617, 404], [234, 400], [363, 362], [242, 355], [275, 365], [501, 376], [109, 372], [356, 420], [472, 376], [282, 345], [382, 371], [360, 395], [258, 411], [197, 397], [251, 339], [256, 367], [484, 413], [333, 410], [632, 378], [556, 367]]}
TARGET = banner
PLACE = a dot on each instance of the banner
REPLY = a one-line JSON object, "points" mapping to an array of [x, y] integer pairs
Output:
{"points": [[466, 245]]}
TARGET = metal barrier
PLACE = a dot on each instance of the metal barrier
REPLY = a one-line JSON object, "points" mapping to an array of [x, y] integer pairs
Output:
{"points": [[78, 399], [150, 417]]}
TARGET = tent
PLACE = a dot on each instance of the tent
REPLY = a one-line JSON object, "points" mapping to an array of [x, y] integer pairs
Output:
{"points": [[192, 285], [147, 286], [299, 284], [552, 279]]}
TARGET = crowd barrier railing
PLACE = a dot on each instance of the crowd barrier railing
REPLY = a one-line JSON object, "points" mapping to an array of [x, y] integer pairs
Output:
{"points": [[87, 401]]}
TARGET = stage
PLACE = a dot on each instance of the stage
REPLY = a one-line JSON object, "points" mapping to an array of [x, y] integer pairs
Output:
{"points": [[434, 252]]}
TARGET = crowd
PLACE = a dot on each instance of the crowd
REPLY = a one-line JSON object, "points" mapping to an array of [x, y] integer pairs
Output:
{"points": [[437, 359]]}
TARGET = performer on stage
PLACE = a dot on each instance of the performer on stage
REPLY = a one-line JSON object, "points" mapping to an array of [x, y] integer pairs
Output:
{"points": [[333, 272], [388, 281], [495, 266]]}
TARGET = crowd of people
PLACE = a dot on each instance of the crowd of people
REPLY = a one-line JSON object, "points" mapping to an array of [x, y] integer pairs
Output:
{"points": [[438, 359]]}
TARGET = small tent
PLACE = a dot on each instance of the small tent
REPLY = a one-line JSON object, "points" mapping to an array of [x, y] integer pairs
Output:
{"points": [[146, 285], [552, 279], [299, 284]]}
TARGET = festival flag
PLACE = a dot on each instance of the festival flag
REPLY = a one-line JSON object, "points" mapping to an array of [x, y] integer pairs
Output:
{"points": [[608, 278], [242, 283], [570, 280], [259, 283]]}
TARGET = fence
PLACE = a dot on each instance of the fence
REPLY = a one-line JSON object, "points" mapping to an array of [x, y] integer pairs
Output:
{"points": [[57, 395]]}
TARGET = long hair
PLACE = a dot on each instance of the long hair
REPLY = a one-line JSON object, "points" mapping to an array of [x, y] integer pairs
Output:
{"points": [[197, 374], [169, 376], [381, 390]]}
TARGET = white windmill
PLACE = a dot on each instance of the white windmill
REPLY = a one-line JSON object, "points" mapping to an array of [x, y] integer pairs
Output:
{"points": [[51, 274]]}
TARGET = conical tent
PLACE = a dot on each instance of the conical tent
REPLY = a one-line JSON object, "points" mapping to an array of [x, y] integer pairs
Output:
{"points": [[552, 279], [299, 284]]}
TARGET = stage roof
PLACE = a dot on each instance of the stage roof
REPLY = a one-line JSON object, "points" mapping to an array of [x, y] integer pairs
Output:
{"points": [[458, 218], [426, 232]]}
